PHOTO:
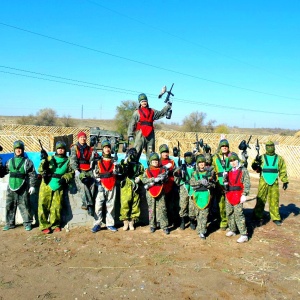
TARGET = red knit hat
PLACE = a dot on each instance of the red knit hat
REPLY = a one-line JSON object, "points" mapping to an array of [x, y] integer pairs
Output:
{"points": [[81, 133]]}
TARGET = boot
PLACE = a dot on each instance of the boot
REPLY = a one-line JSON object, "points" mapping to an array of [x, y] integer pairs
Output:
{"points": [[131, 224], [192, 224], [182, 224], [125, 227]]}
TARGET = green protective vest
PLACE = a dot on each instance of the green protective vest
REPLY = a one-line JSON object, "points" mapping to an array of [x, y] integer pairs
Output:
{"points": [[220, 168], [58, 167], [17, 172], [270, 168], [201, 197], [188, 175]]}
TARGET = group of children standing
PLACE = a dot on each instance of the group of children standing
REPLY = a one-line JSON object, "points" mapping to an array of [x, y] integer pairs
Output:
{"points": [[173, 193]]}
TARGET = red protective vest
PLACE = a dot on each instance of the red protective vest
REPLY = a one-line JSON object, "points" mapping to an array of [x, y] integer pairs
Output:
{"points": [[84, 160], [169, 184], [235, 187], [145, 123], [108, 179], [157, 188]]}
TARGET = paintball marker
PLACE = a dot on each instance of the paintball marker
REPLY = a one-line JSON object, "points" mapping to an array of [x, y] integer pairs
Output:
{"points": [[225, 176], [197, 144], [44, 153], [167, 100], [176, 153], [161, 178], [257, 149], [244, 146]]}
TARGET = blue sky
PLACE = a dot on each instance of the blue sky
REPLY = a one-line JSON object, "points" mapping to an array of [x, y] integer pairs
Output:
{"points": [[236, 61]]}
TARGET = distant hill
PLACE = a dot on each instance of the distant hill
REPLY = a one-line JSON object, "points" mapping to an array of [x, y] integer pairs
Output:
{"points": [[110, 125]]}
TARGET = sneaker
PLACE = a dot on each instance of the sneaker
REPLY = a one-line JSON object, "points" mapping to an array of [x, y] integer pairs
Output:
{"points": [[230, 233], [7, 227], [28, 227], [152, 229], [57, 229], [46, 231], [277, 222], [202, 236], [167, 231], [243, 238], [96, 228], [112, 228]]}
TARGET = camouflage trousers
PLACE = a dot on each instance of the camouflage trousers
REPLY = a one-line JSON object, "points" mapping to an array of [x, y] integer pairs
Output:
{"points": [[86, 190], [202, 216], [107, 198], [236, 218], [20, 199], [172, 204], [144, 143], [130, 200], [157, 211], [49, 207], [270, 193], [186, 204], [220, 198]]}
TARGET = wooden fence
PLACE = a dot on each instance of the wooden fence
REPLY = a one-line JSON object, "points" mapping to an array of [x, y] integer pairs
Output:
{"points": [[287, 146]]}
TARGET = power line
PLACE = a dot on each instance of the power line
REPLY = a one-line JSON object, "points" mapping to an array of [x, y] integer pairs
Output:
{"points": [[130, 92], [145, 64], [183, 39]]}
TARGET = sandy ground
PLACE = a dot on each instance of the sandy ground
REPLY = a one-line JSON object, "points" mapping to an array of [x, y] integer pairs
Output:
{"points": [[139, 265]]}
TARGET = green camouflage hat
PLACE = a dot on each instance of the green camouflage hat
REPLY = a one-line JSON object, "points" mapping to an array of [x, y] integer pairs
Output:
{"points": [[153, 156], [142, 97], [200, 158], [223, 142], [19, 144], [163, 148], [233, 156], [269, 143], [60, 144], [106, 143]]}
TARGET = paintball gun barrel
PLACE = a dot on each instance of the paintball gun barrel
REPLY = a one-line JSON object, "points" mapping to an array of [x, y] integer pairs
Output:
{"points": [[44, 153]]}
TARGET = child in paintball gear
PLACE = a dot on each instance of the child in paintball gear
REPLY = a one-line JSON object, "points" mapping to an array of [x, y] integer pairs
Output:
{"points": [[133, 171], [56, 173], [81, 158], [21, 184], [221, 166], [169, 186], [105, 173], [270, 166], [202, 180], [142, 125], [182, 179], [238, 189], [154, 177]]}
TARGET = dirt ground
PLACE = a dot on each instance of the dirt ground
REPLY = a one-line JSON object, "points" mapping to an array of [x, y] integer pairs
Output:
{"points": [[140, 265]]}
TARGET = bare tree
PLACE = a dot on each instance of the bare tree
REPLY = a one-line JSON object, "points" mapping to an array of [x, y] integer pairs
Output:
{"points": [[67, 121], [46, 117], [124, 114], [194, 122]]}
